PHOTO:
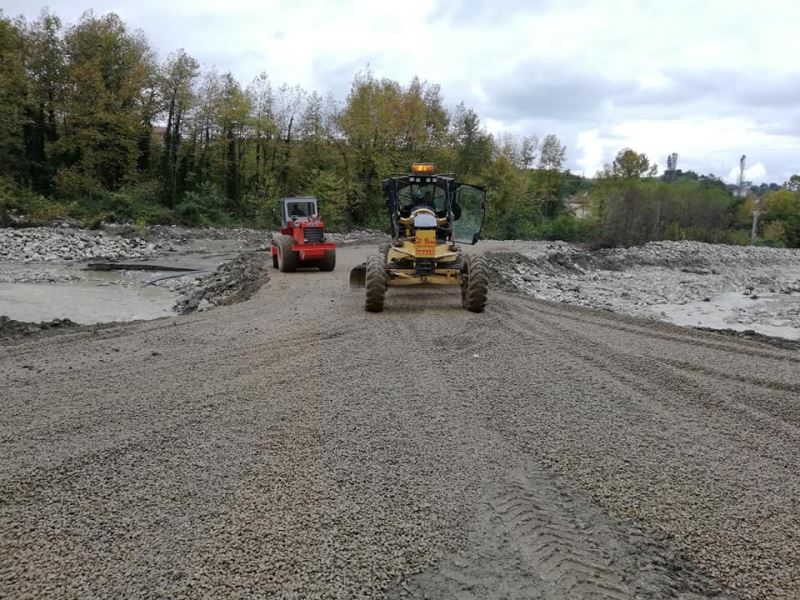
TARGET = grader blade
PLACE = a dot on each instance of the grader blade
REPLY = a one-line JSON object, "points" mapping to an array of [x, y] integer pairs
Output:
{"points": [[358, 276]]}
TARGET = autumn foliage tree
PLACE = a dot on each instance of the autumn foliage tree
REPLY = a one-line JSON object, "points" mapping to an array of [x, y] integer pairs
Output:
{"points": [[93, 125]]}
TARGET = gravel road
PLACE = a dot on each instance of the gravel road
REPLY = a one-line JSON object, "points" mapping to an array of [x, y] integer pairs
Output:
{"points": [[294, 446]]}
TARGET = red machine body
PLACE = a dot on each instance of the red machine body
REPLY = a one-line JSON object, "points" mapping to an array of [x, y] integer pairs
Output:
{"points": [[305, 233], [301, 242]]}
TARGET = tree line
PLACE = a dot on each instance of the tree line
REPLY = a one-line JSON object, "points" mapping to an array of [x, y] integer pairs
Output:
{"points": [[93, 125]]}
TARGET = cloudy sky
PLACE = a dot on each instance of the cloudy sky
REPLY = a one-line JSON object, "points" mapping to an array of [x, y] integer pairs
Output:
{"points": [[709, 80]]}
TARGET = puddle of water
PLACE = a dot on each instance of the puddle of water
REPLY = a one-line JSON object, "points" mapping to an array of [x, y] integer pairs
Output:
{"points": [[772, 314], [94, 296], [84, 302]]}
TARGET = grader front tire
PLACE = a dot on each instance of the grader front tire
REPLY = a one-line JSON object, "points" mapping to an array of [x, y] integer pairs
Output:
{"points": [[377, 280], [475, 284]]}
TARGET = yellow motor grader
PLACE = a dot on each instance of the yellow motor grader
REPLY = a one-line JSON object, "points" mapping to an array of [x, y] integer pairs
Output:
{"points": [[430, 214]]}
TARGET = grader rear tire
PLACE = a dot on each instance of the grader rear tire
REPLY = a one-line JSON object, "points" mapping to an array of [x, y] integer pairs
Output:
{"points": [[475, 283], [377, 280], [287, 258]]}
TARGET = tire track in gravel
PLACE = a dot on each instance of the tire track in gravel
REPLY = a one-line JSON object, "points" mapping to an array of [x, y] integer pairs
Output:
{"points": [[654, 329], [747, 504], [652, 373], [295, 447]]}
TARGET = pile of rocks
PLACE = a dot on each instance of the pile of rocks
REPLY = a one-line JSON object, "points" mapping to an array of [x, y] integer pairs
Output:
{"points": [[50, 244], [660, 279], [180, 235], [233, 281], [683, 254], [12, 273]]}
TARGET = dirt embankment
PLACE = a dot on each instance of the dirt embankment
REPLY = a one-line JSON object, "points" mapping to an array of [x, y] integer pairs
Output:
{"points": [[11, 329], [687, 283], [231, 282]]}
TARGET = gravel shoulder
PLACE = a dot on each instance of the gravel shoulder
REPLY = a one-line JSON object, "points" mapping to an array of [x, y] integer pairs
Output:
{"points": [[295, 446], [751, 290]]}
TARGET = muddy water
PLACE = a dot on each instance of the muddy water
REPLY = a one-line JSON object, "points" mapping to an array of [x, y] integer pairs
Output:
{"points": [[769, 314], [84, 302], [92, 297]]}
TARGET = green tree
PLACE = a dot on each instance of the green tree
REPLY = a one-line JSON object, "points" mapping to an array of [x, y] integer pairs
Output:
{"points": [[548, 177], [783, 207], [630, 165], [109, 68], [176, 89], [13, 100], [234, 114], [46, 70], [474, 145]]}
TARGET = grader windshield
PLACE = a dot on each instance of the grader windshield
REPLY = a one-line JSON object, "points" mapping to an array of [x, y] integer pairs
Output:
{"points": [[424, 194], [460, 204]]}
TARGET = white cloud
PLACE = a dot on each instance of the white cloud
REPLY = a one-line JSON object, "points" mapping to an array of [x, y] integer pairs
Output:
{"points": [[755, 174], [494, 126], [714, 143], [600, 74], [592, 149]]}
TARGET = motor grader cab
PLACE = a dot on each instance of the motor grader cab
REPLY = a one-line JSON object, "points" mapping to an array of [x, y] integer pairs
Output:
{"points": [[301, 242], [429, 215]]}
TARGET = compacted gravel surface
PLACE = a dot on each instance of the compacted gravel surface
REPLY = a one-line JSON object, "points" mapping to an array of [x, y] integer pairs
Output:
{"points": [[294, 446]]}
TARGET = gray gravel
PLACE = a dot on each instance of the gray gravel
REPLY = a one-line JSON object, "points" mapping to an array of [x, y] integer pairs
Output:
{"points": [[15, 272], [688, 283], [233, 281], [295, 446], [60, 244]]}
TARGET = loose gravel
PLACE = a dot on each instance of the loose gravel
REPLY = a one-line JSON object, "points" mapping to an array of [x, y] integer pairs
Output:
{"points": [[233, 281], [689, 283], [11, 329], [294, 446], [60, 244]]}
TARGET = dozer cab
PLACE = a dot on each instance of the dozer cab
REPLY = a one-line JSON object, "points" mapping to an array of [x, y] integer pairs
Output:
{"points": [[301, 242], [429, 215]]}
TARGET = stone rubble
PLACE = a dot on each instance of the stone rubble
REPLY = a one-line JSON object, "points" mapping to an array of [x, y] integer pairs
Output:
{"points": [[231, 282], [658, 279], [50, 244]]}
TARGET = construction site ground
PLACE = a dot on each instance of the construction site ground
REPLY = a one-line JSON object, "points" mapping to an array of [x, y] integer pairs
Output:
{"points": [[295, 446]]}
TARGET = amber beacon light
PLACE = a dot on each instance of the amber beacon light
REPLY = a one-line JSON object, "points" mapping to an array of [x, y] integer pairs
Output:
{"points": [[422, 168]]}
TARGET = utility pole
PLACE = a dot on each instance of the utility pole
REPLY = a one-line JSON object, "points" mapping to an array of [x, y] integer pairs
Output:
{"points": [[741, 176], [756, 201]]}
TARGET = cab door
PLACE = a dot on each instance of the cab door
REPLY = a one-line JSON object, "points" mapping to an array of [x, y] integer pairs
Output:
{"points": [[472, 202]]}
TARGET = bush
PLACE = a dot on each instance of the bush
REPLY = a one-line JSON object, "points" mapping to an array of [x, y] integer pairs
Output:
{"points": [[205, 207], [19, 201], [566, 228], [137, 202], [631, 212]]}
